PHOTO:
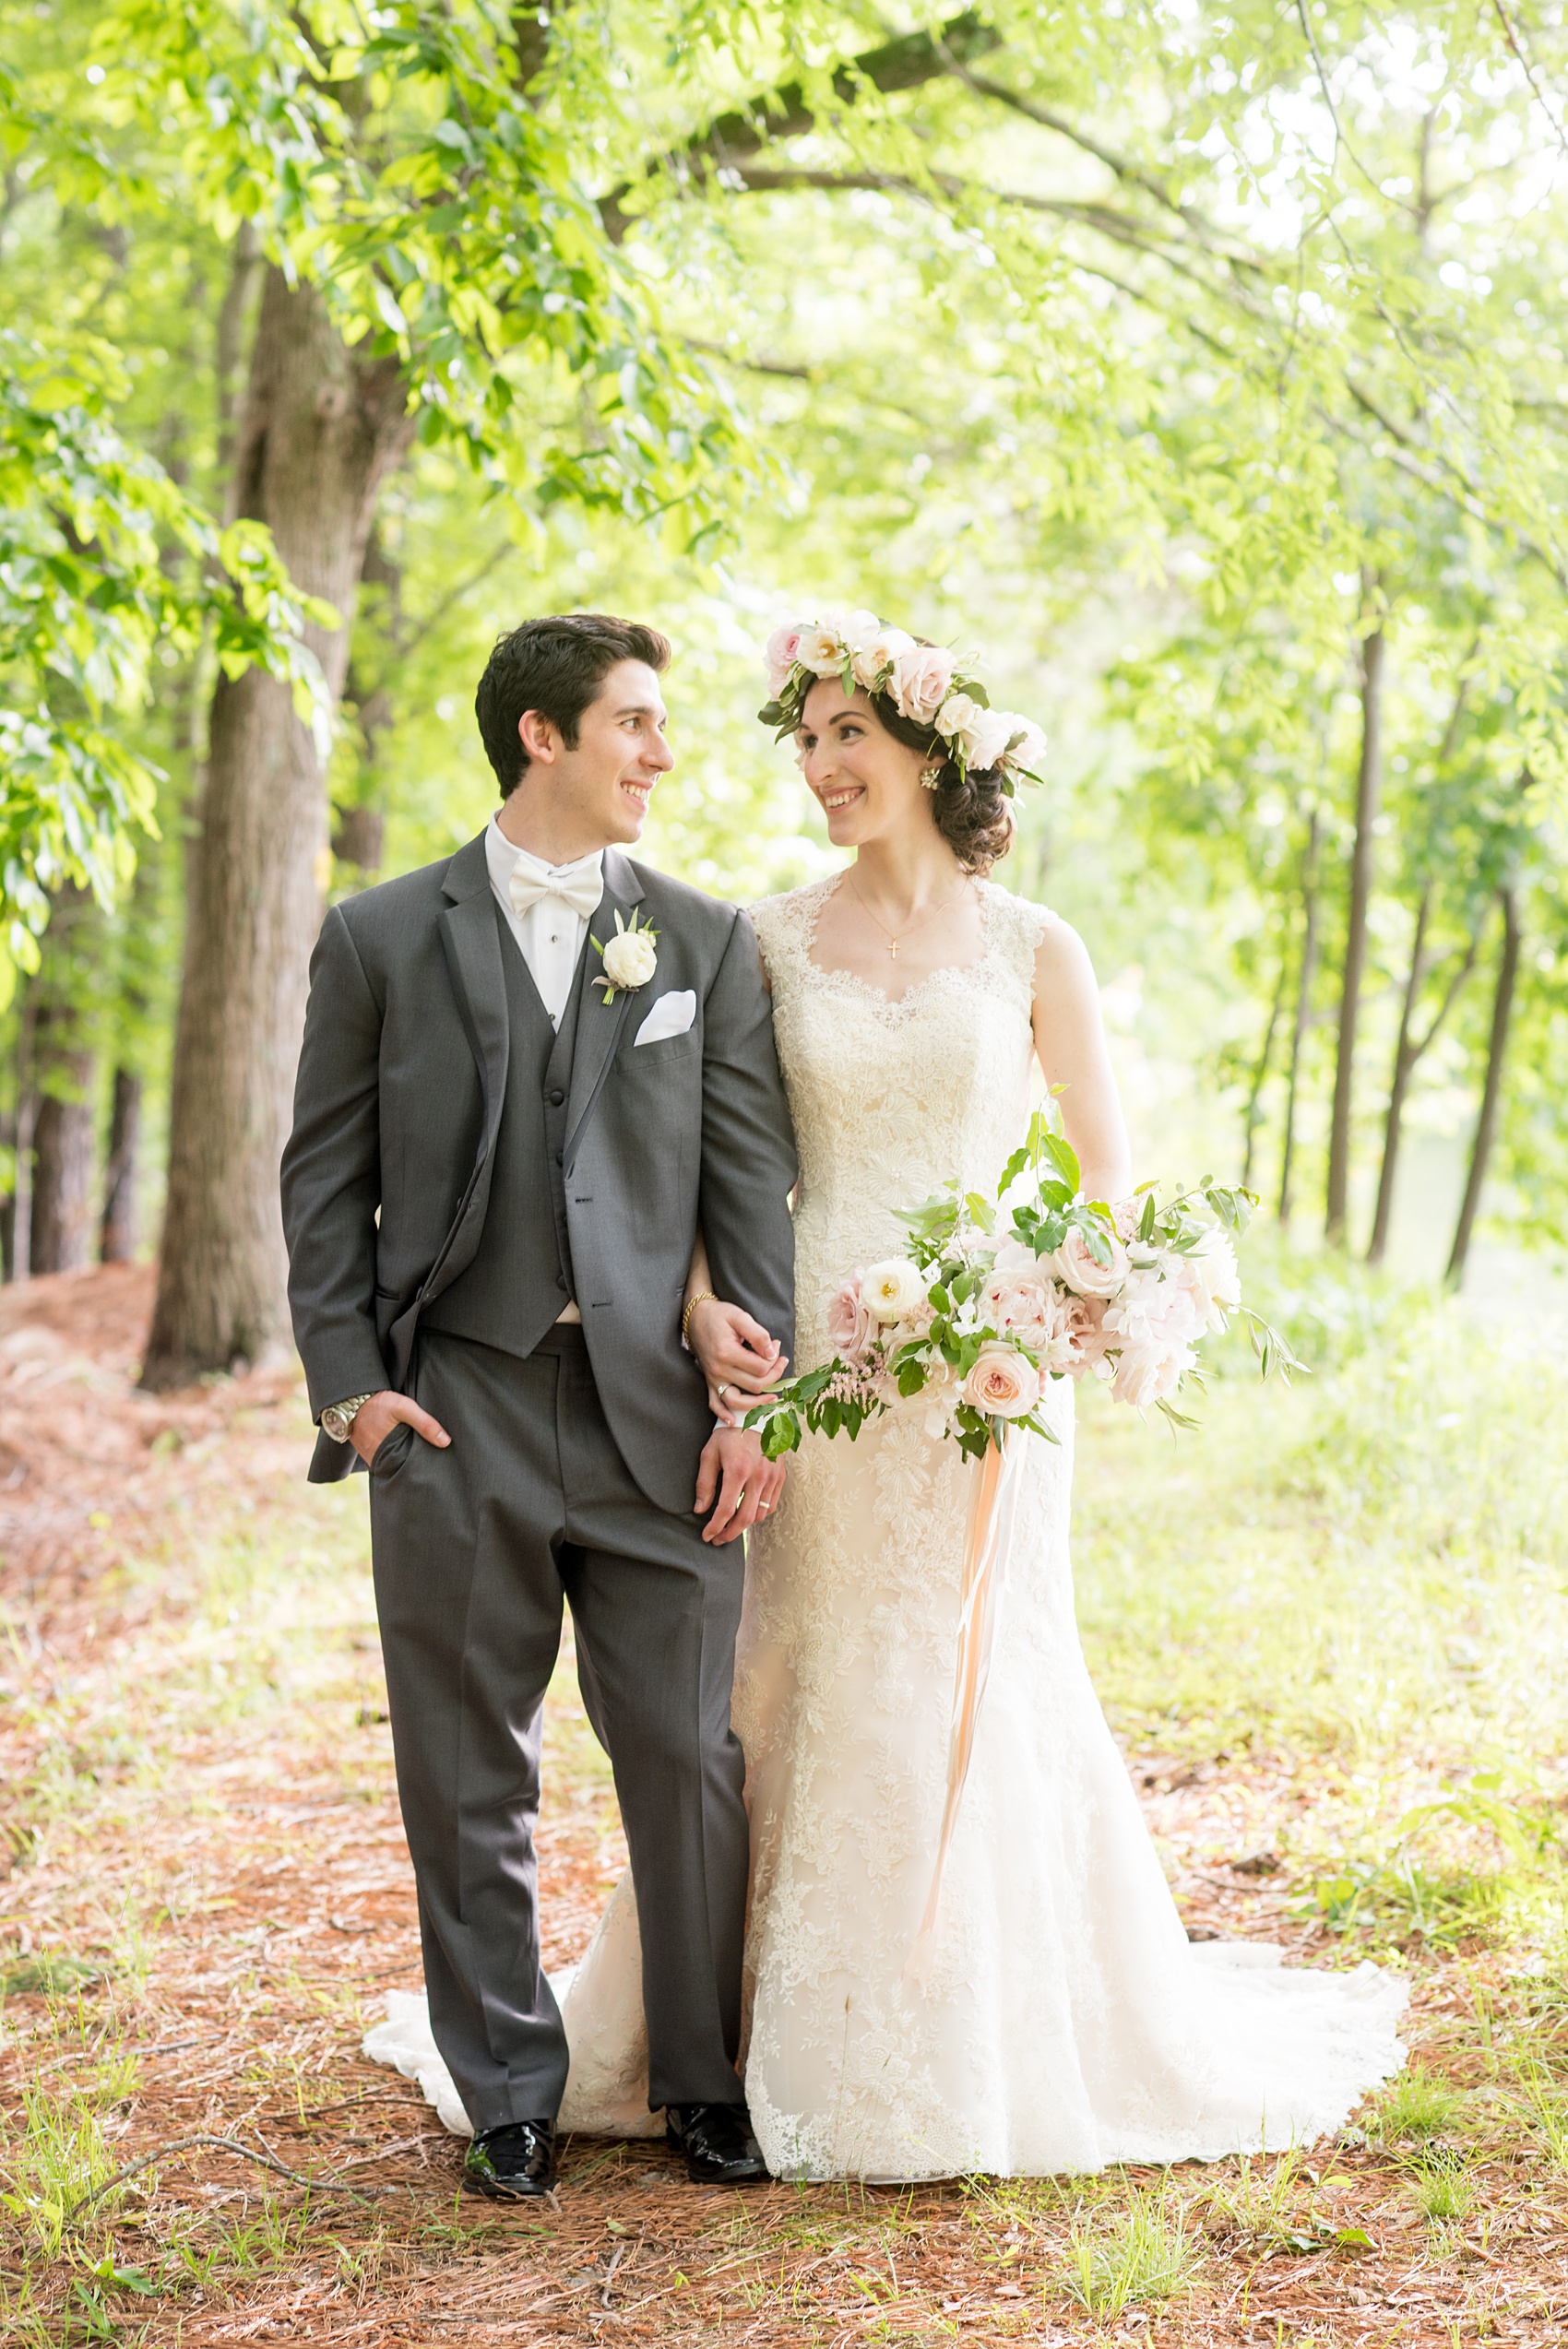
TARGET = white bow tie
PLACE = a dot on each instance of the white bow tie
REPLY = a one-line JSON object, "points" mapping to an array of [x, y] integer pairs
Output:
{"points": [[580, 887]]}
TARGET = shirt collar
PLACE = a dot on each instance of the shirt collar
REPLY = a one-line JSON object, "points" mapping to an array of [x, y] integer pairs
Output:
{"points": [[504, 857]]}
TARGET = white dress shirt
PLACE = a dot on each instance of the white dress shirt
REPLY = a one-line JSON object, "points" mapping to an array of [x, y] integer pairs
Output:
{"points": [[550, 935]]}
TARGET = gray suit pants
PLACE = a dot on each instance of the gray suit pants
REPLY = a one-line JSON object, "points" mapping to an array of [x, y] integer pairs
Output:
{"points": [[475, 1548]]}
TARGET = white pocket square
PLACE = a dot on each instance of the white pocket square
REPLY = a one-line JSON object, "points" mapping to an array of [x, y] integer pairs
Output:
{"points": [[671, 1016]]}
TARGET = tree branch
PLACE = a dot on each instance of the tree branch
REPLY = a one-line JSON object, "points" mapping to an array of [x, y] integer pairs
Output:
{"points": [[901, 64], [222, 2145]]}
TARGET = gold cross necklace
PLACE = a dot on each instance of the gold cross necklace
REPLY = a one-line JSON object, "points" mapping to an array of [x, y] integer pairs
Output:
{"points": [[894, 938]]}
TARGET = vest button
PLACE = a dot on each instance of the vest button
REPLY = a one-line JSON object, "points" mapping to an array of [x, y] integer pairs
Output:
{"points": [[558, 1162], [556, 1099]]}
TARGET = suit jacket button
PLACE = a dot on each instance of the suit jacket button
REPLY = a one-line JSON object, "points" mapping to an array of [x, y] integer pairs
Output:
{"points": [[556, 1099], [558, 1161], [560, 1280]]}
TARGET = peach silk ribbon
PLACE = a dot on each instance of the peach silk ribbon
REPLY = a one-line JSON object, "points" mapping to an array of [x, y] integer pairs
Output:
{"points": [[993, 1506]]}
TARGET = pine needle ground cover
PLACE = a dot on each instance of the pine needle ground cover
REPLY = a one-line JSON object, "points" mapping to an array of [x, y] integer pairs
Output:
{"points": [[1330, 1630]]}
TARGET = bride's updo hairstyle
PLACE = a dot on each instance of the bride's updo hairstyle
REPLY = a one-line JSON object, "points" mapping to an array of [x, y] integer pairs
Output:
{"points": [[973, 806], [972, 755]]}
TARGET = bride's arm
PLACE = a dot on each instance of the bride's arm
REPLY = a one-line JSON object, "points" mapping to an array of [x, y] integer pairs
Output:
{"points": [[734, 1350], [1070, 1045]]}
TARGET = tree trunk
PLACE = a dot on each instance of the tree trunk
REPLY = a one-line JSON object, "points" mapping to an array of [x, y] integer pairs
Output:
{"points": [[117, 1234], [1260, 1072], [1408, 1052], [1492, 1092], [1304, 1010], [59, 1232], [1368, 787], [1404, 1061], [319, 433]]}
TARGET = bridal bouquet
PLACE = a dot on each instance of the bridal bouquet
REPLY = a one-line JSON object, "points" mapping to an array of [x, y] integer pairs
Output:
{"points": [[993, 1297]]}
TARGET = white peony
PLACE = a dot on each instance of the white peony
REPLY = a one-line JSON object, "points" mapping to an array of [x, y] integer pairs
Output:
{"points": [[1210, 1273], [890, 1291], [630, 959]]}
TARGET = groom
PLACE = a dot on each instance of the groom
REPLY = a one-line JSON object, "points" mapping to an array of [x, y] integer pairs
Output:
{"points": [[506, 1133]]}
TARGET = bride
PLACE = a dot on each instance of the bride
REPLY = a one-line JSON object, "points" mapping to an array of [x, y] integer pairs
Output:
{"points": [[1059, 2021]]}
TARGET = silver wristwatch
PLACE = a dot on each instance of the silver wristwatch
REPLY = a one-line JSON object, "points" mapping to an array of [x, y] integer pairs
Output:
{"points": [[338, 1417]]}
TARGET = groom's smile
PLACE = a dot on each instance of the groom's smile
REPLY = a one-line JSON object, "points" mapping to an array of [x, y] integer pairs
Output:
{"points": [[592, 791]]}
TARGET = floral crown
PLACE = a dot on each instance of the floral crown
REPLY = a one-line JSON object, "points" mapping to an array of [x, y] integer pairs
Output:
{"points": [[922, 682]]}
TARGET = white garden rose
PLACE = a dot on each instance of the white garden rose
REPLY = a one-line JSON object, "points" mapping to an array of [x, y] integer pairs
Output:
{"points": [[820, 649], [630, 959], [882, 651], [985, 738], [1078, 1270], [955, 715], [889, 1291]]}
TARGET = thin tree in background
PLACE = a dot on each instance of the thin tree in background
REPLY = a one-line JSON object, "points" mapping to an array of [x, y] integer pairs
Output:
{"points": [[1368, 785], [1492, 1091], [1408, 1050], [1260, 1068], [1303, 1007]]}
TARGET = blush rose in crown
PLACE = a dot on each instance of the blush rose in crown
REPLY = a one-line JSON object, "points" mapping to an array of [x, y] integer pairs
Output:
{"points": [[995, 1297]]}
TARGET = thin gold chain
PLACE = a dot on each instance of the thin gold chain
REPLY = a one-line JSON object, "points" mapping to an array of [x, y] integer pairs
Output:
{"points": [[894, 938]]}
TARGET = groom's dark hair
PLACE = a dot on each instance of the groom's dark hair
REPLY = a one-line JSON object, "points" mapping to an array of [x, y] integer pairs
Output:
{"points": [[555, 666]]}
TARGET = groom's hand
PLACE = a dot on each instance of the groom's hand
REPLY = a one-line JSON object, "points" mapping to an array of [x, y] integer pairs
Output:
{"points": [[375, 1421], [747, 1486]]}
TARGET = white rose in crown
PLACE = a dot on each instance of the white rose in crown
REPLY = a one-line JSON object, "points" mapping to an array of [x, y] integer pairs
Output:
{"points": [[629, 959], [874, 660]]}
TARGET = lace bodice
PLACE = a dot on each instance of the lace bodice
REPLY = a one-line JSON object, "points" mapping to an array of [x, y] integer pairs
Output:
{"points": [[892, 1099]]}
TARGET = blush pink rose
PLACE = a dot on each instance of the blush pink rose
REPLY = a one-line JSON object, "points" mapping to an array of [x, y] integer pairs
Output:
{"points": [[1078, 1269], [1003, 1383], [1084, 1331], [920, 680], [781, 652], [850, 1328], [1020, 1294]]}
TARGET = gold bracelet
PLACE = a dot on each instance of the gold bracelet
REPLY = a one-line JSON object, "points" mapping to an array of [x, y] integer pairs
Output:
{"points": [[703, 1297]]}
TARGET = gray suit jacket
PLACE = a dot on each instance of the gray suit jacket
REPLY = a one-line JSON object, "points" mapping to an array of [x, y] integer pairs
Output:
{"points": [[401, 1080]]}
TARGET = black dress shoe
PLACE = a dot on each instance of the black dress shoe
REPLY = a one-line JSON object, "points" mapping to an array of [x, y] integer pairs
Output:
{"points": [[718, 2142], [512, 2163]]}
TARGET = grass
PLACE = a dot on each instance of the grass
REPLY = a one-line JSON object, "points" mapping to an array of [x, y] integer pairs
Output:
{"points": [[1130, 2256], [1330, 1629]]}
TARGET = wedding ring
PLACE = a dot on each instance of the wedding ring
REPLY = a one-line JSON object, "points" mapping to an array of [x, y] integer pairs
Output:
{"points": [[722, 1392]]}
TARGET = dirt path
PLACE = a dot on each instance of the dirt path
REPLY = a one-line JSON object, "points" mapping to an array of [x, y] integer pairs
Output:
{"points": [[208, 1895]]}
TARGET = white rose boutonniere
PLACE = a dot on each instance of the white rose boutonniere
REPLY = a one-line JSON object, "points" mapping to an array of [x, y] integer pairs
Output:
{"points": [[629, 959]]}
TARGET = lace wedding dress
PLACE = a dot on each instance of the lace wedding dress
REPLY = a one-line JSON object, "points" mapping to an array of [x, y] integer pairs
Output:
{"points": [[1063, 2021]]}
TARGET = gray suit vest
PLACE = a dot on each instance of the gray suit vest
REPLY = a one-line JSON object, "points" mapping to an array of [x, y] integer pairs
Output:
{"points": [[521, 1273]]}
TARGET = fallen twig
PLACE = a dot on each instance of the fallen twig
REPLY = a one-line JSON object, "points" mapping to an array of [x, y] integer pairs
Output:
{"points": [[222, 2145]]}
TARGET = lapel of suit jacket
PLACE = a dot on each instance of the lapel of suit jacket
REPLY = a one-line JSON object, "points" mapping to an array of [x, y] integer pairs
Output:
{"points": [[472, 945], [600, 1024]]}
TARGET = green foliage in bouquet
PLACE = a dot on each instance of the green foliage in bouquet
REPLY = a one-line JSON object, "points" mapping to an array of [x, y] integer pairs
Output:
{"points": [[953, 1243]]}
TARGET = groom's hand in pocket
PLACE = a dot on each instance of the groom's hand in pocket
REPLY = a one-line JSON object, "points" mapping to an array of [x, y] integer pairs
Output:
{"points": [[375, 1421], [736, 1483]]}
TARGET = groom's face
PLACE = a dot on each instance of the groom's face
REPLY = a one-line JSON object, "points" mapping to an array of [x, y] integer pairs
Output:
{"points": [[601, 785]]}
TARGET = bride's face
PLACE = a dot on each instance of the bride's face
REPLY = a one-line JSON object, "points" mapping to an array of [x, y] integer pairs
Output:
{"points": [[867, 783]]}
